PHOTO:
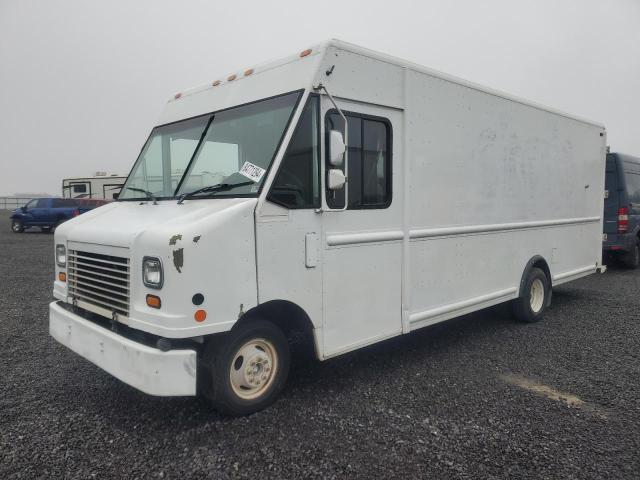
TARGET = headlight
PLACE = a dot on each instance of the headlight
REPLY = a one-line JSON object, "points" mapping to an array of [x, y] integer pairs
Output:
{"points": [[61, 256], [152, 272]]}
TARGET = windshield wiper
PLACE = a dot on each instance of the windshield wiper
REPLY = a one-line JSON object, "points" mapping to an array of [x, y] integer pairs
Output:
{"points": [[212, 188], [146, 192]]}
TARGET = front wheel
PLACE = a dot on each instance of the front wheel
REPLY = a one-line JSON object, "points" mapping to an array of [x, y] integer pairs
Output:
{"points": [[17, 226], [245, 371], [534, 297]]}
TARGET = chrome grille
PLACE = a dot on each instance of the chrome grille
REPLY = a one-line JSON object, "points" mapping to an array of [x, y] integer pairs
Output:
{"points": [[99, 282]]}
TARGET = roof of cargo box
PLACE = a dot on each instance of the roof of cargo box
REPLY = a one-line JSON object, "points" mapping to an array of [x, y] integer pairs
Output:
{"points": [[297, 72]]}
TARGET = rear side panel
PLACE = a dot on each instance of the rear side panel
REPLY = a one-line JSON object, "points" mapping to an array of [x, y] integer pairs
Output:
{"points": [[622, 191]]}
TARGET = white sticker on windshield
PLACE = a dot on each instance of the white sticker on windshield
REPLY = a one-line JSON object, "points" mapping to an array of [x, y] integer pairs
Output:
{"points": [[251, 171]]}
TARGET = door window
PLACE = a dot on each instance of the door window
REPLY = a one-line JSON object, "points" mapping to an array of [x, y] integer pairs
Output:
{"points": [[42, 203], [369, 161]]}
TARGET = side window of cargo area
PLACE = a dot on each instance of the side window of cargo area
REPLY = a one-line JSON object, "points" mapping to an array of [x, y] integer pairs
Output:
{"points": [[297, 184], [633, 186], [369, 159], [80, 188]]}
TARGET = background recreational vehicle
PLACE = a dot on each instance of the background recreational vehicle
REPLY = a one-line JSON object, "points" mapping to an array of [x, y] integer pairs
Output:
{"points": [[451, 198], [100, 186]]}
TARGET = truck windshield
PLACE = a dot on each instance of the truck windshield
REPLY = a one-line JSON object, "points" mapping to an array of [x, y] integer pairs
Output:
{"points": [[233, 146]]}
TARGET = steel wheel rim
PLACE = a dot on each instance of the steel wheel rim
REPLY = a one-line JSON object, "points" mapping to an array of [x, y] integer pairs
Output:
{"points": [[253, 368], [536, 298], [16, 226]]}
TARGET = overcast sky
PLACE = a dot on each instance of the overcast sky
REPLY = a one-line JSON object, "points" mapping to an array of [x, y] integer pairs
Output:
{"points": [[83, 82]]}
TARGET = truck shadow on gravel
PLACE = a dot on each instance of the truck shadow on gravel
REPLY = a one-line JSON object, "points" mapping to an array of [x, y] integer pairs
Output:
{"points": [[437, 346]]}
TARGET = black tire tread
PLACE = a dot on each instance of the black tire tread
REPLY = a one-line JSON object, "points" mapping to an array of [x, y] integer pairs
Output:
{"points": [[632, 258], [521, 306]]}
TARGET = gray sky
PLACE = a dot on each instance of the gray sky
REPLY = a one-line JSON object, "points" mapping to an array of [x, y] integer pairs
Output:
{"points": [[83, 82]]}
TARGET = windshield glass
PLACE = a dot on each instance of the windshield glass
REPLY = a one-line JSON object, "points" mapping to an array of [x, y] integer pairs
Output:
{"points": [[232, 146]]}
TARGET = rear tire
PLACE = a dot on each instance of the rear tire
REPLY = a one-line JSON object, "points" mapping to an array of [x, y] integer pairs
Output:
{"points": [[245, 371], [530, 307], [17, 226], [632, 258]]}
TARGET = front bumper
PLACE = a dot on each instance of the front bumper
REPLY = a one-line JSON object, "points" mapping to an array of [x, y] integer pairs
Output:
{"points": [[148, 369]]}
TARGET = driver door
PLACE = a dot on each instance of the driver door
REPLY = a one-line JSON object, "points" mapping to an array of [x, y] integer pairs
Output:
{"points": [[362, 244]]}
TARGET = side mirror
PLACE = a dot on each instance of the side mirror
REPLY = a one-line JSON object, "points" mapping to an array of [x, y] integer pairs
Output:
{"points": [[336, 179], [336, 148], [23, 208]]}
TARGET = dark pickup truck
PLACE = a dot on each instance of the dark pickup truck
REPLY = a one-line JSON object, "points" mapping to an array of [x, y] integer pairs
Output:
{"points": [[48, 213], [622, 209]]}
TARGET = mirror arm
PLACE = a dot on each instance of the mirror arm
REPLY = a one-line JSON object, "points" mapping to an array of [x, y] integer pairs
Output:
{"points": [[319, 87]]}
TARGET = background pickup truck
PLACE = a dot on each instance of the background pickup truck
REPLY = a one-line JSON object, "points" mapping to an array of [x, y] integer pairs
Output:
{"points": [[48, 213]]}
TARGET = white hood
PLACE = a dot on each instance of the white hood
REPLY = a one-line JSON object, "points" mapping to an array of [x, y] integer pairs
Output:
{"points": [[119, 223]]}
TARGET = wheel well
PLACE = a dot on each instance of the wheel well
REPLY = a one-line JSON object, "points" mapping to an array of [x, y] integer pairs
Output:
{"points": [[291, 318], [535, 262]]}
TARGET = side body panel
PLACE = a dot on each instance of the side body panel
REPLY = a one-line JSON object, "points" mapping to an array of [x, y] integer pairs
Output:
{"points": [[623, 191], [493, 183]]}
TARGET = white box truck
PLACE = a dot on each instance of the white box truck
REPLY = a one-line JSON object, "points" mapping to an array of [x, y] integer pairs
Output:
{"points": [[338, 192]]}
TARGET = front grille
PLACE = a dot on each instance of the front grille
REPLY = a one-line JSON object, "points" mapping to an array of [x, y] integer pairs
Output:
{"points": [[99, 281]]}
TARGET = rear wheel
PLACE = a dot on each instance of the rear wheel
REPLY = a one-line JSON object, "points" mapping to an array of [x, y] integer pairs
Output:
{"points": [[632, 258], [245, 371], [17, 226], [534, 297]]}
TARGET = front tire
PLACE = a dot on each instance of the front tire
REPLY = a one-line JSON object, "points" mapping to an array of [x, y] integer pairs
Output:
{"points": [[245, 371], [530, 307], [17, 226]]}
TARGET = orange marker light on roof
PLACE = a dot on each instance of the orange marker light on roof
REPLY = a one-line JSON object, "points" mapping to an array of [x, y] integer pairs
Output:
{"points": [[216, 83], [306, 52], [231, 78], [248, 72], [200, 315]]}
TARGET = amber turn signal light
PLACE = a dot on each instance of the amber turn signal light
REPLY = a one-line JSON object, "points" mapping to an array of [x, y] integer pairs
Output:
{"points": [[153, 301], [62, 277], [200, 315]]}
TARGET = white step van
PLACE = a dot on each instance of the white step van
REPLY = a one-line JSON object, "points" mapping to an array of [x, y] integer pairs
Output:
{"points": [[338, 192]]}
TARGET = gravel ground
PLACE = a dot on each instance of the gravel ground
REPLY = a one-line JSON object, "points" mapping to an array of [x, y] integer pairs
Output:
{"points": [[476, 397]]}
